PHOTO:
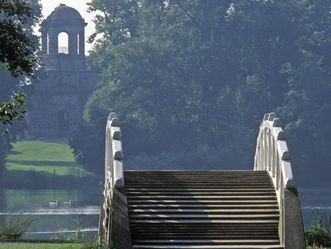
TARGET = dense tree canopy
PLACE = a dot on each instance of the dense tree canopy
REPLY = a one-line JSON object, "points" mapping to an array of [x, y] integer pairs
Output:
{"points": [[18, 60], [192, 79], [18, 55]]}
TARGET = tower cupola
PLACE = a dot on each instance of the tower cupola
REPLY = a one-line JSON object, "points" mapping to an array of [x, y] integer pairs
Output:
{"points": [[66, 21]]}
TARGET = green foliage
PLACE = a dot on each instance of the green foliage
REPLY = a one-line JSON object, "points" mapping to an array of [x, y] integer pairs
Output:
{"points": [[17, 49], [96, 245], [14, 227], [15, 108], [77, 227], [18, 52], [317, 234], [195, 77], [88, 146], [18, 57], [40, 246]]}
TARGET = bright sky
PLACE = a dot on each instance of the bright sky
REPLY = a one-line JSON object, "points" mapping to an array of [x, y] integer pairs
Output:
{"points": [[49, 5]]}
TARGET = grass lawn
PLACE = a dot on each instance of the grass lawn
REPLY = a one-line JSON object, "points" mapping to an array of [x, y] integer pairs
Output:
{"points": [[42, 156], [39, 246]]}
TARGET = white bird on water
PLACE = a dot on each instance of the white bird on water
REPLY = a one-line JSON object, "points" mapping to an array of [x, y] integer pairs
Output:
{"points": [[53, 204], [67, 204]]}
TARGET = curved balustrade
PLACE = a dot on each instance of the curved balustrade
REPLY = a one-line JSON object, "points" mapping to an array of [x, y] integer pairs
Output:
{"points": [[114, 176], [272, 155], [114, 152]]}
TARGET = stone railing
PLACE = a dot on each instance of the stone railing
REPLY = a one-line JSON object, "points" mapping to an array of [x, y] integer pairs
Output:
{"points": [[114, 176], [114, 152], [272, 155]]}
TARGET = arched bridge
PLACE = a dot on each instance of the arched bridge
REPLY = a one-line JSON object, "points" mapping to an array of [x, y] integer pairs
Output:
{"points": [[258, 208]]}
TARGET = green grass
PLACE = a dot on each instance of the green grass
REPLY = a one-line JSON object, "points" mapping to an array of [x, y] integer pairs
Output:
{"points": [[42, 157], [39, 246]]}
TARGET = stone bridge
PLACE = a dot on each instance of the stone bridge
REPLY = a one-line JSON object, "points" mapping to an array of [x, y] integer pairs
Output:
{"points": [[256, 208]]}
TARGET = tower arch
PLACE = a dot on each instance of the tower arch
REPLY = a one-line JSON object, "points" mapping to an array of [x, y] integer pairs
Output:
{"points": [[63, 19], [63, 42]]}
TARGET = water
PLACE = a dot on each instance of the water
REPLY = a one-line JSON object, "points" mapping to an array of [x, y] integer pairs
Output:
{"points": [[53, 222], [315, 202], [59, 222]]}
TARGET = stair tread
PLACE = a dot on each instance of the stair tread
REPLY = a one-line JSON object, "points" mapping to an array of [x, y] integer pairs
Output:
{"points": [[204, 221], [207, 247], [207, 241], [200, 189], [203, 201], [202, 209], [209, 206]]}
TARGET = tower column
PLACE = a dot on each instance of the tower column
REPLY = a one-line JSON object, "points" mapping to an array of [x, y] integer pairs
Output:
{"points": [[44, 42], [53, 42], [82, 42], [73, 43]]}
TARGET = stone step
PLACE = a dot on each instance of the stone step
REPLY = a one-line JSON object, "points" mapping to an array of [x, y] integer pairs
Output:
{"points": [[203, 197], [209, 226], [175, 189], [213, 211], [204, 206], [205, 221], [202, 209], [208, 201], [206, 237], [196, 193], [204, 216], [207, 247], [208, 242]]}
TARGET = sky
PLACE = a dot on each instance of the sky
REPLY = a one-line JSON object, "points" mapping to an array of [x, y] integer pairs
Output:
{"points": [[81, 5]]}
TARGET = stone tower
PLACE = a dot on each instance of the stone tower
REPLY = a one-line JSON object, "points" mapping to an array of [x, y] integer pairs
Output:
{"points": [[59, 95]]}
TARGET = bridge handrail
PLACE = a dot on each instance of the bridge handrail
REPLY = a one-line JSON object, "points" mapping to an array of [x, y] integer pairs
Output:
{"points": [[272, 155], [114, 153], [114, 175]]}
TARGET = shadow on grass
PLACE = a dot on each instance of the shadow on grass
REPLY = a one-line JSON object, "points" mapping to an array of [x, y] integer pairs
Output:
{"points": [[44, 163], [38, 180], [14, 153]]}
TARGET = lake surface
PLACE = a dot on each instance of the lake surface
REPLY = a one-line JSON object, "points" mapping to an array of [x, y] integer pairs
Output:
{"points": [[315, 202], [53, 222], [59, 222]]}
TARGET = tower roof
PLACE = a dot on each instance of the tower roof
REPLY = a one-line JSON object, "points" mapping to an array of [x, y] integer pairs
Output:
{"points": [[64, 13]]}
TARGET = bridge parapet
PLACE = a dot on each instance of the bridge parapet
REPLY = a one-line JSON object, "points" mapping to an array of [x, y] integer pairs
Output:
{"points": [[114, 220], [114, 152], [148, 200], [272, 155]]}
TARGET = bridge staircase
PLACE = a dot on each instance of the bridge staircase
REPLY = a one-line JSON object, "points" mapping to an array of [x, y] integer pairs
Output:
{"points": [[203, 209]]}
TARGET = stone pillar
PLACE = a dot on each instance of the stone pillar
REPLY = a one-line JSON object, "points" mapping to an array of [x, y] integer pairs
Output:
{"points": [[294, 229], [44, 42], [73, 43], [120, 226], [53, 42], [82, 42]]}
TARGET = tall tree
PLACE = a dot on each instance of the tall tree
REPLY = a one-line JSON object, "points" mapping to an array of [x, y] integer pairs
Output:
{"points": [[18, 55], [17, 50], [194, 78]]}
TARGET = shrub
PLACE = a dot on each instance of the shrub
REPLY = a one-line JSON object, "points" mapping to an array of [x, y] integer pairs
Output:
{"points": [[317, 234], [96, 245], [14, 228]]}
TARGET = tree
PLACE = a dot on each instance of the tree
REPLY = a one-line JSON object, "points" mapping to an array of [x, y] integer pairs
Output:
{"points": [[17, 50], [18, 60], [195, 77]]}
